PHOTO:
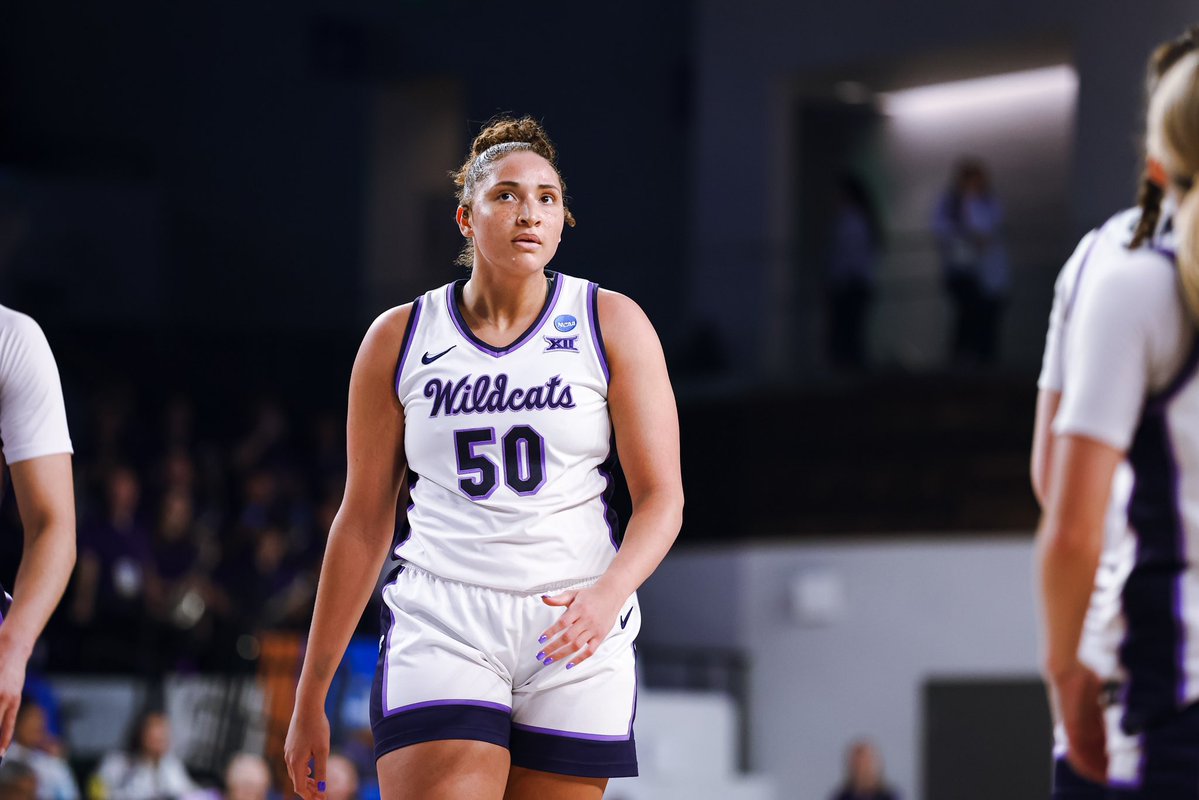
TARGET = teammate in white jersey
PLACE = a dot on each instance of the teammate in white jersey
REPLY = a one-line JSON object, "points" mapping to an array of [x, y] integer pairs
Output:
{"points": [[37, 448], [1129, 394], [1103, 627], [506, 667]]}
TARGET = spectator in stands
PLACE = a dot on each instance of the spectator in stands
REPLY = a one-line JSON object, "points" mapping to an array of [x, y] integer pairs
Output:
{"points": [[184, 553], [857, 240], [341, 777], [17, 781], [247, 778], [146, 769], [974, 261], [36, 748], [114, 569], [864, 775]]}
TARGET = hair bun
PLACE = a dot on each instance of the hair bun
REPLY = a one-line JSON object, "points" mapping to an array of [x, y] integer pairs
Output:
{"points": [[502, 130]]}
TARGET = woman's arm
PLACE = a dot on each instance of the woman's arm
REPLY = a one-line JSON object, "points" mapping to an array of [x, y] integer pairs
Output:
{"points": [[46, 502], [1069, 545], [358, 541], [1043, 442], [645, 419]]}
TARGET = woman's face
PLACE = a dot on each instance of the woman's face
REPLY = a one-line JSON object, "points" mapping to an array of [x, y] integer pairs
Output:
{"points": [[516, 214], [156, 736]]}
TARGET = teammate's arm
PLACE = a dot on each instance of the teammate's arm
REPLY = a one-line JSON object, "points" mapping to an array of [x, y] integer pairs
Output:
{"points": [[1043, 442], [46, 500], [358, 541], [645, 420], [1069, 545]]}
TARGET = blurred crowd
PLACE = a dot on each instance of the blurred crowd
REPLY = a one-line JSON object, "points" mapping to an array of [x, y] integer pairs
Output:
{"points": [[193, 539], [143, 768]]}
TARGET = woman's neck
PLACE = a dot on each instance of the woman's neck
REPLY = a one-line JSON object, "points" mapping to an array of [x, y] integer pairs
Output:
{"points": [[503, 301]]}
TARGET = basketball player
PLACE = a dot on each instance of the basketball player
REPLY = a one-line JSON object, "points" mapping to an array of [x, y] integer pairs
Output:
{"points": [[1129, 393], [37, 448], [1102, 628], [506, 667]]}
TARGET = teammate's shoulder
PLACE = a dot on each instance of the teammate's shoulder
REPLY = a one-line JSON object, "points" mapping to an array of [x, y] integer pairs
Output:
{"points": [[1132, 276], [19, 326]]}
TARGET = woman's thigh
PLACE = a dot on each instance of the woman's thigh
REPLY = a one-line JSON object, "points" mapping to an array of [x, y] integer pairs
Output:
{"points": [[531, 784], [448, 769]]}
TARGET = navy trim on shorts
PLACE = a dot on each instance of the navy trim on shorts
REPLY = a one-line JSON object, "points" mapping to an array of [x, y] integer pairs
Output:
{"points": [[567, 755], [1069, 785], [439, 721]]}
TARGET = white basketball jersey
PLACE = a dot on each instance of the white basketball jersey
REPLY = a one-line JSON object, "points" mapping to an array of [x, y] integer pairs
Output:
{"points": [[1130, 380], [509, 448]]}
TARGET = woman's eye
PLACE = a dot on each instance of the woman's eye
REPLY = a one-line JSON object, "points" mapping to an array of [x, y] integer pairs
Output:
{"points": [[548, 199], [506, 195]]}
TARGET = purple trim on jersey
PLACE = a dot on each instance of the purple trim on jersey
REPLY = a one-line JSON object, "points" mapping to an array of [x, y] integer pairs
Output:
{"points": [[403, 532], [551, 299], [610, 518], [406, 343], [591, 737], [596, 335], [1153, 649]]}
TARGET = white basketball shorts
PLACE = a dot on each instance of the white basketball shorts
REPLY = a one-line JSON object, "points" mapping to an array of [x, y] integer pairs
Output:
{"points": [[459, 661]]}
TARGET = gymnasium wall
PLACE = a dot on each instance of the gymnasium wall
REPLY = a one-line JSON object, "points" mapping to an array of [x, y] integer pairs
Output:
{"points": [[843, 636], [750, 56]]}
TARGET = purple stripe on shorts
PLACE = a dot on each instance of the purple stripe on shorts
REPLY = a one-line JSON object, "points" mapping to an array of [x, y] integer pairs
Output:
{"points": [[433, 703], [591, 737]]}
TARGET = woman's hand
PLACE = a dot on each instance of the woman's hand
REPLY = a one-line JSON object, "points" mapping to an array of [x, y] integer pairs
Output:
{"points": [[578, 633], [307, 743], [1076, 694]]}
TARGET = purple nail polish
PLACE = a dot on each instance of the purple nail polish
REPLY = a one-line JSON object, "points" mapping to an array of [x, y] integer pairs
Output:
{"points": [[541, 655], [570, 665], [548, 661], [320, 786], [543, 639]]}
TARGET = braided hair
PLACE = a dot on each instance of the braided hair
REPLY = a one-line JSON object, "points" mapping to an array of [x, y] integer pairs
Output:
{"points": [[1152, 189]]}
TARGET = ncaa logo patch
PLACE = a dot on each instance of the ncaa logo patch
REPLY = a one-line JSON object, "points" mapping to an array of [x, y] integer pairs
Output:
{"points": [[565, 323], [564, 344]]}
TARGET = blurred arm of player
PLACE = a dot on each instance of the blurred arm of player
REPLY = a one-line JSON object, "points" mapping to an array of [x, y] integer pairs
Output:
{"points": [[1069, 545], [46, 499], [646, 422], [37, 446], [1049, 383], [1121, 344], [358, 540]]}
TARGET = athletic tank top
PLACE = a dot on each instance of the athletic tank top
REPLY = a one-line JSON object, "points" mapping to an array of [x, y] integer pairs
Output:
{"points": [[509, 449]]}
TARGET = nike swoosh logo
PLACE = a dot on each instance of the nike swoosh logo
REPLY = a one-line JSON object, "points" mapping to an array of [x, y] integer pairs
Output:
{"points": [[625, 619], [428, 359]]}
